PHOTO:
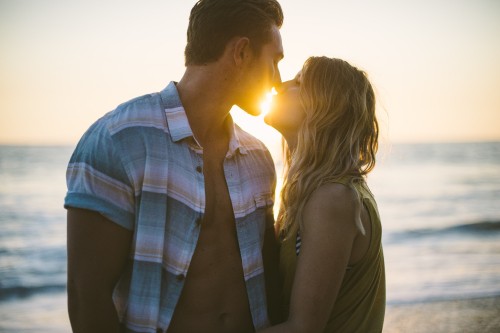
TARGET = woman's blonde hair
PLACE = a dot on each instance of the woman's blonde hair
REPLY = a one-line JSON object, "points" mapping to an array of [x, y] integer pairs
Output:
{"points": [[338, 138]]}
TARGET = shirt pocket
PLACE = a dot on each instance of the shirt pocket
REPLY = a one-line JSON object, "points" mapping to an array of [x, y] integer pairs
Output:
{"points": [[263, 200]]}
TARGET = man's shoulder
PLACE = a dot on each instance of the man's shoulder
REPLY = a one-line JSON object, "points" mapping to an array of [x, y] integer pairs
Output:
{"points": [[143, 111], [140, 101], [258, 157], [125, 125]]}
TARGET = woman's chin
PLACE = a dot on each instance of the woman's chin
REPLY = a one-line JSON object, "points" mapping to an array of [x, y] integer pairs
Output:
{"points": [[268, 119], [275, 122]]}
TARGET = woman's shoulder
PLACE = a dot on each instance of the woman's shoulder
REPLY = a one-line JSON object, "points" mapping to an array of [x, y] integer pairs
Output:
{"points": [[335, 193], [332, 201]]}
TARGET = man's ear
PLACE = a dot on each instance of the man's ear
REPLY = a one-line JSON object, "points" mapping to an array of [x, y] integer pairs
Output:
{"points": [[241, 51]]}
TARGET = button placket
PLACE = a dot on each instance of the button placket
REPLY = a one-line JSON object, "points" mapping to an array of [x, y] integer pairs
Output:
{"points": [[199, 163], [199, 178], [233, 182]]}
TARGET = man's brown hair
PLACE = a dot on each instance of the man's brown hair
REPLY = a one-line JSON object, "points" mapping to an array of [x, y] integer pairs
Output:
{"points": [[212, 23]]}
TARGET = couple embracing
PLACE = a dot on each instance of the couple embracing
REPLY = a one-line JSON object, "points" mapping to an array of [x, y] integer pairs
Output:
{"points": [[170, 204]]}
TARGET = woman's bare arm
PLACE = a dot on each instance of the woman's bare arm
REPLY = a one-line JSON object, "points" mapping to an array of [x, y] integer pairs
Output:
{"points": [[327, 240]]}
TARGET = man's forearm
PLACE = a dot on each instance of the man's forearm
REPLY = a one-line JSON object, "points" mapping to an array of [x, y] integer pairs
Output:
{"points": [[92, 312], [98, 251]]}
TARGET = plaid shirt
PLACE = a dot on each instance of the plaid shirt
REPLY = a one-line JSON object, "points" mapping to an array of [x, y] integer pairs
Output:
{"points": [[140, 167]]}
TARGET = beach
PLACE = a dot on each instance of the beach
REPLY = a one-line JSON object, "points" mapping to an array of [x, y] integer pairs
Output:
{"points": [[477, 315]]}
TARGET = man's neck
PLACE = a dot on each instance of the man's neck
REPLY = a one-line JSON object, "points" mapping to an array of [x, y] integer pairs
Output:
{"points": [[204, 95]]}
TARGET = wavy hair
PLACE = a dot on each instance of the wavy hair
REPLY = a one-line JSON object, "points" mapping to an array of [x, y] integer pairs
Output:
{"points": [[338, 138]]}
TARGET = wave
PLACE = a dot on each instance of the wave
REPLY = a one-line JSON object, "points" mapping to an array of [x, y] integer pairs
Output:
{"points": [[24, 291], [483, 228]]}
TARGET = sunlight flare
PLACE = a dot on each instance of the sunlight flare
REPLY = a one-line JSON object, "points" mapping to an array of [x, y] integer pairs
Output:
{"points": [[266, 104]]}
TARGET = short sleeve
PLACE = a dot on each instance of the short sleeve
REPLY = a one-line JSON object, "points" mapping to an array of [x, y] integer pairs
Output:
{"points": [[97, 179]]}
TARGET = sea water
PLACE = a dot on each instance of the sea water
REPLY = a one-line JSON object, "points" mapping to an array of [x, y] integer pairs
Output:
{"points": [[439, 205], [440, 210], [33, 239]]}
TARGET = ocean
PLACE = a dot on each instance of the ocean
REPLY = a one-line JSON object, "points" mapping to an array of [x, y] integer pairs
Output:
{"points": [[439, 205]]}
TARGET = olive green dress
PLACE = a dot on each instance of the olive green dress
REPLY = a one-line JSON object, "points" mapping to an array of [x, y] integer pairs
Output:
{"points": [[360, 304]]}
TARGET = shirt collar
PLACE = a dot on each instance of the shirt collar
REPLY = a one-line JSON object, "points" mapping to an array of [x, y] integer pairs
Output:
{"points": [[178, 124]]}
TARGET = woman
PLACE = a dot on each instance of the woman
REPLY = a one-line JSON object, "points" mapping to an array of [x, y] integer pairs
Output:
{"points": [[331, 255]]}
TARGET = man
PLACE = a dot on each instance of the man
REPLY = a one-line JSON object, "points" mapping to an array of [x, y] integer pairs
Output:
{"points": [[169, 203]]}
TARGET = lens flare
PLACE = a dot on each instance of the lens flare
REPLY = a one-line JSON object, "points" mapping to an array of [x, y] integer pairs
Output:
{"points": [[266, 104]]}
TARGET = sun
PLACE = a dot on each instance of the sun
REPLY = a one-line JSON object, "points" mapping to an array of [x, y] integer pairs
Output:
{"points": [[266, 104], [255, 125]]}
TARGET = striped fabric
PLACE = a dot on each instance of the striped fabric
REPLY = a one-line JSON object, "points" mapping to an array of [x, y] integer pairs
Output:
{"points": [[298, 243], [140, 167]]}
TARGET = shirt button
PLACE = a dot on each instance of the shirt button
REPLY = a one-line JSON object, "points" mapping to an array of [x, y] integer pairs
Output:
{"points": [[180, 277], [199, 169]]}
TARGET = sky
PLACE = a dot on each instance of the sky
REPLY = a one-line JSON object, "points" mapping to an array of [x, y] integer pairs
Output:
{"points": [[435, 64]]}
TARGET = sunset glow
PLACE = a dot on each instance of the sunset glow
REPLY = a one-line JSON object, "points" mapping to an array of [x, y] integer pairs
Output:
{"points": [[265, 106], [61, 52]]}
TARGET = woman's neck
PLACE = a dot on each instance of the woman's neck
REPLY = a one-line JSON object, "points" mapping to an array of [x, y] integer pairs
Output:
{"points": [[291, 140]]}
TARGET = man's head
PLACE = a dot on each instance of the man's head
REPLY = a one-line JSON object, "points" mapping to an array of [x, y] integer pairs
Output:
{"points": [[250, 28], [213, 23]]}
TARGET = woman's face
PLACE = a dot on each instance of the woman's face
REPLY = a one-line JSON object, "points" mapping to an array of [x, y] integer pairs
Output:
{"points": [[286, 114]]}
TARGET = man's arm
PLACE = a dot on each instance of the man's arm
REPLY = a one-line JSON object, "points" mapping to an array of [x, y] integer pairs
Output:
{"points": [[98, 250]]}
